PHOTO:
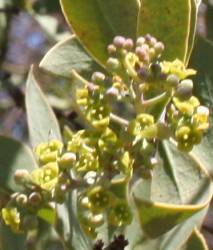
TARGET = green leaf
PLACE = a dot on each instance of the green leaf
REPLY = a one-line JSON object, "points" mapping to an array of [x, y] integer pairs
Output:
{"points": [[96, 22], [48, 214], [180, 188], [42, 122], [13, 155], [69, 55], [10, 240], [202, 61], [196, 242], [78, 239], [175, 238], [168, 21]]}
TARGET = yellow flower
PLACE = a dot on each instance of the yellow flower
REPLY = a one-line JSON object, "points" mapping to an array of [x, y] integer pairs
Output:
{"points": [[11, 217], [47, 176], [186, 107], [177, 68]]}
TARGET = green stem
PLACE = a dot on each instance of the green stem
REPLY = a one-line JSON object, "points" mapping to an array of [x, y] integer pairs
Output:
{"points": [[117, 119], [70, 219], [154, 101]]}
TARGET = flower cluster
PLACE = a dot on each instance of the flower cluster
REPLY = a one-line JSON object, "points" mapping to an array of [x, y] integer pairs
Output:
{"points": [[118, 144]]}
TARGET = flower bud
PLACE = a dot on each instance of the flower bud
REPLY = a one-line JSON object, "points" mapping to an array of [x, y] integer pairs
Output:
{"points": [[128, 45], [119, 41], [184, 89], [155, 69], [22, 176], [159, 48], [152, 53], [140, 41], [142, 54], [98, 77], [66, 161], [112, 92], [111, 49], [153, 41], [148, 38], [113, 64], [172, 80], [21, 200], [143, 73], [35, 199]]}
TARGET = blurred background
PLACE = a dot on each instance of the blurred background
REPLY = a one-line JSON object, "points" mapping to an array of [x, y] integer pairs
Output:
{"points": [[28, 29]]}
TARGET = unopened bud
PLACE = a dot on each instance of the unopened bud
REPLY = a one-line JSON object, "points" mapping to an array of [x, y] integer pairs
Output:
{"points": [[119, 41], [140, 41], [21, 200], [148, 38], [155, 69], [184, 89], [128, 44], [111, 49], [113, 64], [152, 53], [66, 161], [35, 199], [143, 73], [142, 54], [112, 92], [172, 80], [98, 77], [153, 41], [159, 47], [22, 176]]}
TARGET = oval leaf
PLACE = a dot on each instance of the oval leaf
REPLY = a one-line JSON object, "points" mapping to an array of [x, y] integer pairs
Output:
{"points": [[13, 155], [202, 61], [69, 55], [175, 238], [195, 241], [96, 22], [180, 188], [169, 22], [42, 122]]}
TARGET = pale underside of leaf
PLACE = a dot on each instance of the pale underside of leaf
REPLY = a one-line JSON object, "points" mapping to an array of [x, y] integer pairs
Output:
{"points": [[42, 123]]}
